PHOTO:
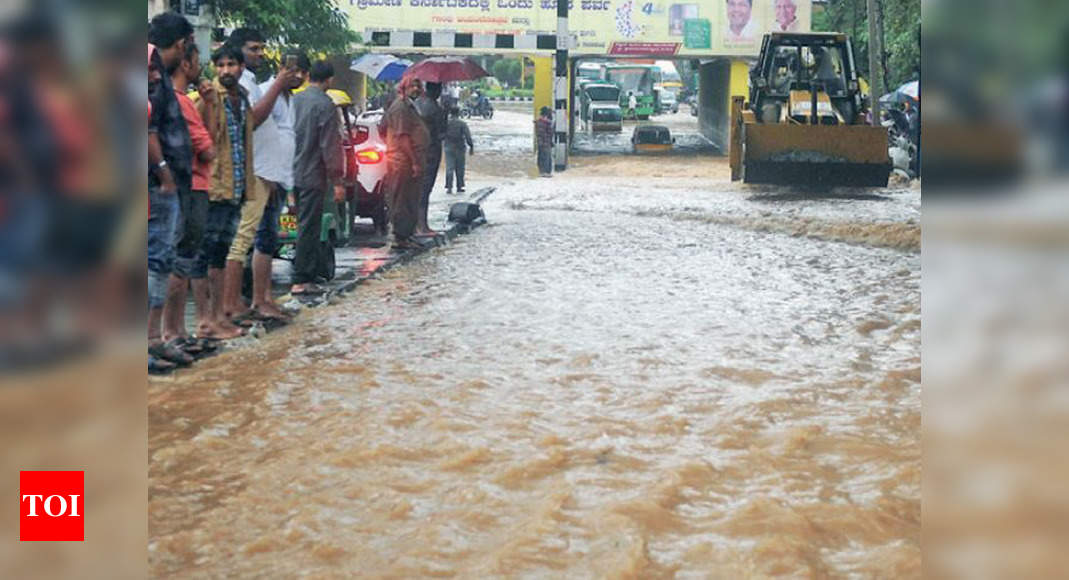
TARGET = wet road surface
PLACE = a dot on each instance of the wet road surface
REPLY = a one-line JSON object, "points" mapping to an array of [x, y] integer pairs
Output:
{"points": [[621, 376], [682, 125]]}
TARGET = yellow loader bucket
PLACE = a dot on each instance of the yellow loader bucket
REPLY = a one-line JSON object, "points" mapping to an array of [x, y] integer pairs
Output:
{"points": [[820, 155]]}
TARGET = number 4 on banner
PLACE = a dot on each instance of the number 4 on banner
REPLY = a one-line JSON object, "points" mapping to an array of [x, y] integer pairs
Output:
{"points": [[647, 8]]}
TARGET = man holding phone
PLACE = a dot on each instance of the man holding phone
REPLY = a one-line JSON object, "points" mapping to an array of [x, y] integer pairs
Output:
{"points": [[260, 211], [275, 159]]}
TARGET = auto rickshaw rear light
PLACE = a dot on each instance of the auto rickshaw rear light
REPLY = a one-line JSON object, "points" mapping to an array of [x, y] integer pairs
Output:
{"points": [[369, 156]]}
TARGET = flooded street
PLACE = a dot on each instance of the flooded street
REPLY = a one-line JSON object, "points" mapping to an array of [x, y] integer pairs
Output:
{"points": [[636, 370]]}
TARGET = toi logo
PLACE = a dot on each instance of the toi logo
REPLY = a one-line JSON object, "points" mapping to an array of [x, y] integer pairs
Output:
{"points": [[51, 506]]}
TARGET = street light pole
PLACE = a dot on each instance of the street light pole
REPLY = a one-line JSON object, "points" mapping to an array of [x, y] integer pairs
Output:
{"points": [[560, 89]]}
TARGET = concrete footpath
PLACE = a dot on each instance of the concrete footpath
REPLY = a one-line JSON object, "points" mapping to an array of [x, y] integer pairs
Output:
{"points": [[366, 255]]}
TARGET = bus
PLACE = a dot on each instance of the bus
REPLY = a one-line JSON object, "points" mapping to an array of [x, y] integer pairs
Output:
{"points": [[670, 78], [637, 79], [590, 70]]}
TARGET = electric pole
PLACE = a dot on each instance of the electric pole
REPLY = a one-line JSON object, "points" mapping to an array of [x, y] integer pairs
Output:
{"points": [[876, 88], [560, 89]]}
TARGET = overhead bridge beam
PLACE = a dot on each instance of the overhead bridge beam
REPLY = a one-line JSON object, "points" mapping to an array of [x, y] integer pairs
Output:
{"points": [[461, 42], [411, 39]]}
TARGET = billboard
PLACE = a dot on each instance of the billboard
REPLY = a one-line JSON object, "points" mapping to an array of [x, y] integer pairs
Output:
{"points": [[601, 27]]}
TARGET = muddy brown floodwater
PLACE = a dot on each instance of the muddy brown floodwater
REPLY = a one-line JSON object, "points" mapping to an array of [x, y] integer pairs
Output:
{"points": [[622, 376]]}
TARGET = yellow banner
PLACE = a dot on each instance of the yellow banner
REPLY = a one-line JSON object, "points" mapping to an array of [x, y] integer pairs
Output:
{"points": [[602, 27]]}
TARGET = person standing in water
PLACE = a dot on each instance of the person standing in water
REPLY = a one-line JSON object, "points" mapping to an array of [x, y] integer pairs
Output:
{"points": [[457, 139]]}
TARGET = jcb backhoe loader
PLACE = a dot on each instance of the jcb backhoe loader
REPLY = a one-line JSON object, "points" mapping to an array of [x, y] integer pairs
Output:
{"points": [[803, 124]]}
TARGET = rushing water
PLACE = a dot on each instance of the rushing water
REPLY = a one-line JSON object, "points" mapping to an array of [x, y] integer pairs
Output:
{"points": [[606, 381]]}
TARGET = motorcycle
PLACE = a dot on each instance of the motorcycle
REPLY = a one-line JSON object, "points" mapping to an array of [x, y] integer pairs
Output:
{"points": [[484, 110]]}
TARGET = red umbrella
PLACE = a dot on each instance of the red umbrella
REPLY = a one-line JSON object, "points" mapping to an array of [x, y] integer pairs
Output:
{"points": [[444, 69]]}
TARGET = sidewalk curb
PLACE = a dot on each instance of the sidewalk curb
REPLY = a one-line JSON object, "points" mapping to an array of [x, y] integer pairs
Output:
{"points": [[443, 239], [446, 235]]}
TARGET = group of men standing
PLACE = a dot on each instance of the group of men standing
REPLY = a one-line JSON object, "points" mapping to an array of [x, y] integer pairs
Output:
{"points": [[222, 159], [220, 162]]}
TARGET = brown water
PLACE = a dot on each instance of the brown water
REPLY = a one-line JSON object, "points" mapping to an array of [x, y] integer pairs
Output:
{"points": [[610, 381]]}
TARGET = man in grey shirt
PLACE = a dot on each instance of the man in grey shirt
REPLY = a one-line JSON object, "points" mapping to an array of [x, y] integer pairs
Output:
{"points": [[457, 136], [434, 117], [318, 161]]}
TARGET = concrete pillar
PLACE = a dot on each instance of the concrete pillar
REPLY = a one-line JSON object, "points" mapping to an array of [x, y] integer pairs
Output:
{"points": [[543, 88], [738, 87], [740, 79], [718, 81]]}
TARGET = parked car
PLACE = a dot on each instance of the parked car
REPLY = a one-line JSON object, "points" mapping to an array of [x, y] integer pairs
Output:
{"points": [[369, 155], [606, 117], [651, 139]]}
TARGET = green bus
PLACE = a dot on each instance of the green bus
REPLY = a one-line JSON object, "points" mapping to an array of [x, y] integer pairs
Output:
{"points": [[637, 79]]}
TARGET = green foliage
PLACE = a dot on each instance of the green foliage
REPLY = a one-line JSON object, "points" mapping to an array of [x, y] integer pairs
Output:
{"points": [[901, 34], [375, 88], [506, 93], [507, 70], [901, 37], [311, 25]]}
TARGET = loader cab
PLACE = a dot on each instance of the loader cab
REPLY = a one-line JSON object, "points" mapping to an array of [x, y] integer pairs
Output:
{"points": [[796, 71]]}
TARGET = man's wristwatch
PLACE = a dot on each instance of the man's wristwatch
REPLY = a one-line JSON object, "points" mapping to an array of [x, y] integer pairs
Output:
{"points": [[161, 164]]}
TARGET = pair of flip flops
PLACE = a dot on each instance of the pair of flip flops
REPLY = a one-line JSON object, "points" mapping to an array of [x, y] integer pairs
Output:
{"points": [[170, 352], [309, 290], [250, 317], [179, 352], [197, 346]]}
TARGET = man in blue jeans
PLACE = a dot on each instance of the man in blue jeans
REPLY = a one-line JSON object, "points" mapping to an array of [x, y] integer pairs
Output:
{"points": [[170, 155]]}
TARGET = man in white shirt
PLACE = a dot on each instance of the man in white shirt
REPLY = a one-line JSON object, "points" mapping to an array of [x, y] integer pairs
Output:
{"points": [[786, 15], [274, 161], [741, 27], [259, 214]]}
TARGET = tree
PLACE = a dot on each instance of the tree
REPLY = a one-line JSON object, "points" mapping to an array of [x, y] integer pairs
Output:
{"points": [[311, 25], [507, 70], [900, 60]]}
